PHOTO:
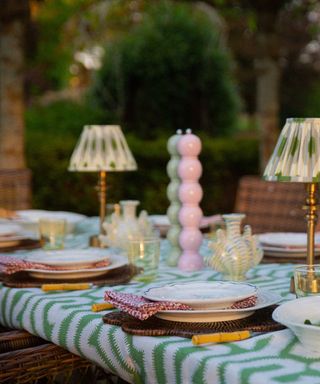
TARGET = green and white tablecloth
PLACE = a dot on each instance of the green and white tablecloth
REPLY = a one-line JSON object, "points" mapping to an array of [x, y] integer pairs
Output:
{"points": [[65, 318]]}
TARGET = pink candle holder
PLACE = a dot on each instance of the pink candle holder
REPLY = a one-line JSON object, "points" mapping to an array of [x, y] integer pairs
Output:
{"points": [[190, 195]]}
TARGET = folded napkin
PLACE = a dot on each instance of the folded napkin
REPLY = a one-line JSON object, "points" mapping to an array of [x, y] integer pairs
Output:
{"points": [[250, 301], [142, 308], [138, 306], [10, 265]]}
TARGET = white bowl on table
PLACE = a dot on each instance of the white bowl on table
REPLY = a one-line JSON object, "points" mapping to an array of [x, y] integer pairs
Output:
{"points": [[29, 219], [293, 314]]}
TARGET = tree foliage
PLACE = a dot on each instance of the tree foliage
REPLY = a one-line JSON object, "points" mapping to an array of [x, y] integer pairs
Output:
{"points": [[170, 72]]}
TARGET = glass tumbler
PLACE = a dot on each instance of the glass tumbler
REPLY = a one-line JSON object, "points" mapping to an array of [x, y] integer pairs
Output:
{"points": [[52, 233], [144, 253], [307, 280]]}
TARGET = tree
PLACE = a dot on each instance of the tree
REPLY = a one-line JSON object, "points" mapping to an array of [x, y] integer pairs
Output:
{"points": [[170, 72], [266, 36], [13, 14], [12, 27]]}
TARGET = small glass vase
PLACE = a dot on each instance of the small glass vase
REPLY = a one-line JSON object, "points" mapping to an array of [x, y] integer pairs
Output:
{"points": [[234, 253], [126, 226]]}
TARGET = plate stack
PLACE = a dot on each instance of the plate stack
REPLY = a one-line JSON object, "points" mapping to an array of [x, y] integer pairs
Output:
{"points": [[66, 265], [287, 245], [11, 236], [29, 219], [211, 301]]}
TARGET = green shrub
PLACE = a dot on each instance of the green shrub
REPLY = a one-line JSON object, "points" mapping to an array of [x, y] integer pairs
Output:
{"points": [[51, 137], [51, 134], [170, 72], [62, 118]]}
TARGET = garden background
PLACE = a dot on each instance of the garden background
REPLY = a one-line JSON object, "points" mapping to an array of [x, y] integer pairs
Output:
{"points": [[230, 70]]}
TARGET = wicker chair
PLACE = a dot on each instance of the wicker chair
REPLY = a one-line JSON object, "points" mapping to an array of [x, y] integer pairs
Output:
{"points": [[271, 206], [27, 359], [15, 189]]}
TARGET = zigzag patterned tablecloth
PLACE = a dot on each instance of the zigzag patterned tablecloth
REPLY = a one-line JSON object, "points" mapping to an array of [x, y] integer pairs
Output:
{"points": [[65, 318]]}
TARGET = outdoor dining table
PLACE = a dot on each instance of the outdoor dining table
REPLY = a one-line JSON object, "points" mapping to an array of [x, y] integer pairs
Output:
{"points": [[66, 319]]}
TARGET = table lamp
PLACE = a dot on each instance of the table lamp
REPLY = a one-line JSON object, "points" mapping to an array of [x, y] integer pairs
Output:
{"points": [[296, 158], [102, 148]]}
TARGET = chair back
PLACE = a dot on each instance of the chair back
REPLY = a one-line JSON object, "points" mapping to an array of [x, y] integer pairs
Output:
{"points": [[271, 206], [15, 189]]}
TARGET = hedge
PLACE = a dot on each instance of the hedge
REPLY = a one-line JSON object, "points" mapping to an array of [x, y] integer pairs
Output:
{"points": [[50, 143]]}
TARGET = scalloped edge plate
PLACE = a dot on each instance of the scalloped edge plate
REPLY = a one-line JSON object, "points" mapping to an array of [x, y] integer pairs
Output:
{"points": [[70, 258], [202, 294], [117, 261], [264, 299], [287, 241]]}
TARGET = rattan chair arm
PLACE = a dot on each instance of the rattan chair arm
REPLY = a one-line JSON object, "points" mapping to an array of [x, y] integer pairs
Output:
{"points": [[30, 364], [16, 339]]}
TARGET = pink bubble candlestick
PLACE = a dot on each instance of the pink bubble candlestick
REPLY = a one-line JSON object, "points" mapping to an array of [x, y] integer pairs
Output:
{"points": [[190, 195]]}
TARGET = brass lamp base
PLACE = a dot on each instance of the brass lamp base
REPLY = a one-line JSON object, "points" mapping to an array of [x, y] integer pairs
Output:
{"points": [[94, 241], [292, 287], [310, 283]]}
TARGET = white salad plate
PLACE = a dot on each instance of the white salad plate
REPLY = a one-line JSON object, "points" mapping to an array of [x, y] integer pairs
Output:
{"points": [[70, 258], [9, 229], [287, 240], [294, 313], [29, 219], [264, 299], [116, 261], [203, 294]]}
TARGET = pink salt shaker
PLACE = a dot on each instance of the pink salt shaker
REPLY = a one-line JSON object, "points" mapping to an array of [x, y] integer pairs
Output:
{"points": [[190, 195]]}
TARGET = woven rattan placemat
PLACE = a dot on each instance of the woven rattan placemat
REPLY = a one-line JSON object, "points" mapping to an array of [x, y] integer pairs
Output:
{"points": [[116, 276], [22, 244], [260, 321]]}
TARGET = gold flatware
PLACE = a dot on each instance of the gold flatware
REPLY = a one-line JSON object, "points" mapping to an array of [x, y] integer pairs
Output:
{"points": [[221, 337], [97, 307], [66, 287]]}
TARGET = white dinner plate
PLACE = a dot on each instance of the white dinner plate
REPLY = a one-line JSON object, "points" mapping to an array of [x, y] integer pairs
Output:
{"points": [[70, 258], [203, 294], [270, 251], [11, 241], [264, 299], [29, 218], [292, 251], [117, 261], [297, 255], [287, 240]]}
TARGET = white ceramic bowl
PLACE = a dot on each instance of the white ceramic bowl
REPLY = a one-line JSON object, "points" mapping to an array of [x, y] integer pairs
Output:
{"points": [[293, 314], [29, 219]]}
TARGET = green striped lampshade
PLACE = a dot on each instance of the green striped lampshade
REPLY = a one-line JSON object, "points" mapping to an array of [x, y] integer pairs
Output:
{"points": [[296, 156], [102, 148]]}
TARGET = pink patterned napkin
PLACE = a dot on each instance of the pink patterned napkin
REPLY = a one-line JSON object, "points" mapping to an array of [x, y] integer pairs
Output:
{"points": [[142, 308], [10, 265], [250, 301], [138, 306]]}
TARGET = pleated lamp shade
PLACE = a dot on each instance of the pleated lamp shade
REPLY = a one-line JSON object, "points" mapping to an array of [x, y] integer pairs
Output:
{"points": [[102, 148], [296, 156]]}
